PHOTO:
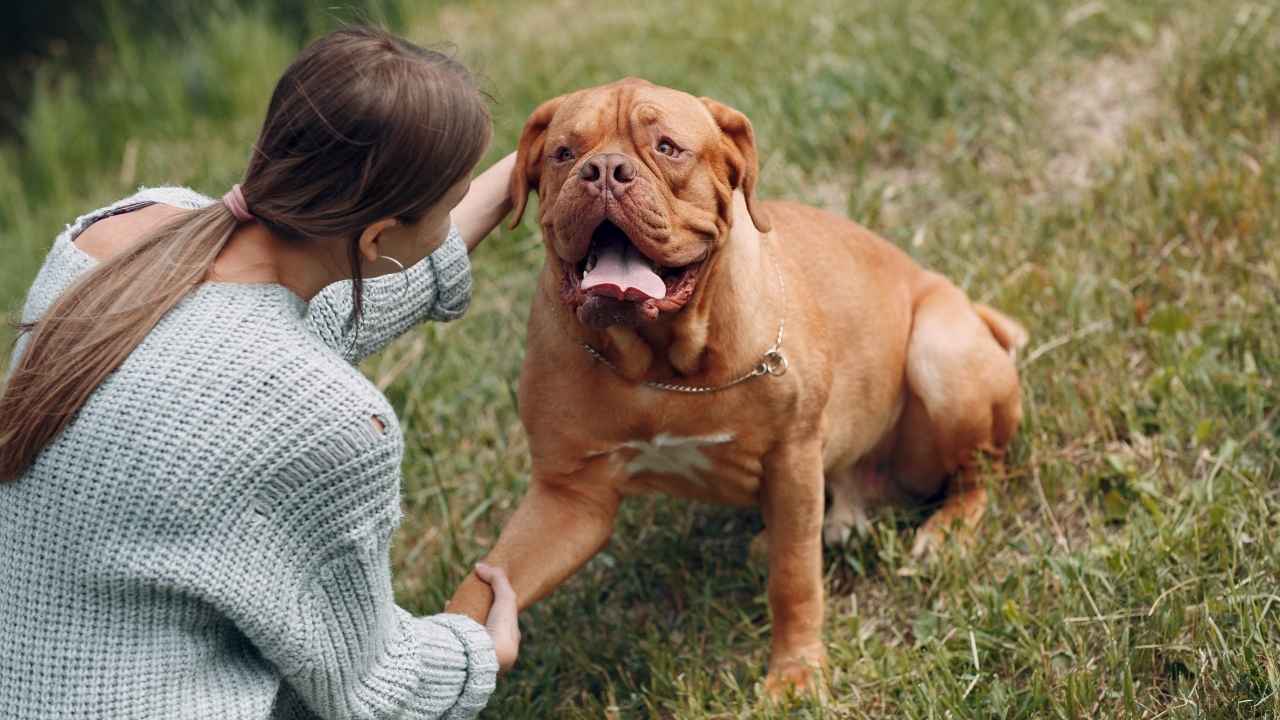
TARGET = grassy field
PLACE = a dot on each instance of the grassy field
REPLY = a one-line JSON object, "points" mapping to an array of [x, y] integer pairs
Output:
{"points": [[1104, 171]]}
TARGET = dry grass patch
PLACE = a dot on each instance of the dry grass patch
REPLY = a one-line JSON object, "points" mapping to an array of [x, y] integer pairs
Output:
{"points": [[1089, 114]]}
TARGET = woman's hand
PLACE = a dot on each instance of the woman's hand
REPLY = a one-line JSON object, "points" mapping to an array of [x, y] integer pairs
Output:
{"points": [[501, 624], [486, 202]]}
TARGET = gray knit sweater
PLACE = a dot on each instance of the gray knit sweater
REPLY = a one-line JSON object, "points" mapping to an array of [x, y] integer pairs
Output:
{"points": [[209, 537]]}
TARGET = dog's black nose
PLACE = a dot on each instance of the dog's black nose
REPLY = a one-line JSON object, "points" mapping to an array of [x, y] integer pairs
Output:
{"points": [[608, 169]]}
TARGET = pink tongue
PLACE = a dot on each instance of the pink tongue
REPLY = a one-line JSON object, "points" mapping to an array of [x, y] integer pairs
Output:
{"points": [[622, 272]]}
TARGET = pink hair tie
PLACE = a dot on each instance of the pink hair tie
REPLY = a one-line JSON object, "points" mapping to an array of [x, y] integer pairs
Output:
{"points": [[234, 200]]}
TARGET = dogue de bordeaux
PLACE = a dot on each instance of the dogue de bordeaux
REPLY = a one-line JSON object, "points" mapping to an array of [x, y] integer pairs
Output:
{"points": [[690, 339]]}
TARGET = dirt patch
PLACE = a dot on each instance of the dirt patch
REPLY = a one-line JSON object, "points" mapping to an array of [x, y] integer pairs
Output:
{"points": [[1089, 114], [908, 195]]}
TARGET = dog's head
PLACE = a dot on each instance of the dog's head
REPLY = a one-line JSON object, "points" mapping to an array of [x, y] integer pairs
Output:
{"points": [[635, 192]]}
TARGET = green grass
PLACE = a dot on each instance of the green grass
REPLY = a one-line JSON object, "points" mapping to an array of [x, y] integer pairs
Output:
{"points": [[1127, 566]]}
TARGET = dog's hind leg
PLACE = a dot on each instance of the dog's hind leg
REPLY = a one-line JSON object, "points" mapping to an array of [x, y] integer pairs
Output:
{"points": [[962, 509], [961, 373]]}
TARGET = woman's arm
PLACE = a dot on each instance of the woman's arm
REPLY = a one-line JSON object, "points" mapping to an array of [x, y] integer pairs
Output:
{"points": [[437, 288], [486, 203]]}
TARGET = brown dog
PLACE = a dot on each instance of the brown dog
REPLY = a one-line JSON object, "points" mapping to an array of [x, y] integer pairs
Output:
{"points": [[664, 268]]}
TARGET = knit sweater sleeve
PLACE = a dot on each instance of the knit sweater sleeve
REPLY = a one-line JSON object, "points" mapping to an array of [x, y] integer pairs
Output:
{"points": [[436, 288], [362, 656], [351, 652]]}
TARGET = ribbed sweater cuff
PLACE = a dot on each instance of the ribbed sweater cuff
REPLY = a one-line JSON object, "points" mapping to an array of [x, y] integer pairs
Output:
{"points": [[482, 664], [451, 267]]}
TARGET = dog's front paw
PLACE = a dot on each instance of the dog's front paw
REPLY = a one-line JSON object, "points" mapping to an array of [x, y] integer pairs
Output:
{"points": [[839, 526], [836, 533], [758, 550], [797, 673]]}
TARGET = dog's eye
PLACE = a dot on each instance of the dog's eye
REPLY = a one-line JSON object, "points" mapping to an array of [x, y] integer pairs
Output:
{"points": [[564, 154], [668, 148]]}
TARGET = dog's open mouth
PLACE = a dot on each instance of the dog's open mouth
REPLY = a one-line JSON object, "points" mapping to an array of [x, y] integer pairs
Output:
{"points": [[616, 284]]}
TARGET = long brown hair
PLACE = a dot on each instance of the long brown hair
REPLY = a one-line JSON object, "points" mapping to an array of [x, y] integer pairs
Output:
{"points": [[362, 126]]}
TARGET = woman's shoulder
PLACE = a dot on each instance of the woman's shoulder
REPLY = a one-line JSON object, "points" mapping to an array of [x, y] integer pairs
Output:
{"points": [[65, 262], [175, 195]]}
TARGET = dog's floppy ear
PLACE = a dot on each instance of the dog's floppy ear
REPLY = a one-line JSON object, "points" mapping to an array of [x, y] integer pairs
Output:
{"points": [[740, 153], [524, 177]]}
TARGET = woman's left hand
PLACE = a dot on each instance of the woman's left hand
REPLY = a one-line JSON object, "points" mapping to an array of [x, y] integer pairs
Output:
{"points": [[502, 624]]}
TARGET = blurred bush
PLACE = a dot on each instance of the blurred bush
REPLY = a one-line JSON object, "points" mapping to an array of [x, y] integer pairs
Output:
{"points": [[71, 32]]}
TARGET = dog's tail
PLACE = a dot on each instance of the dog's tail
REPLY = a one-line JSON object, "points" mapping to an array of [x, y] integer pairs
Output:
{"points": [[1007, 331]]}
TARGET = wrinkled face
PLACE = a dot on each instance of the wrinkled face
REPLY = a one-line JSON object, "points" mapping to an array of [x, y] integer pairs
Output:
{"points": [[635, 186]]}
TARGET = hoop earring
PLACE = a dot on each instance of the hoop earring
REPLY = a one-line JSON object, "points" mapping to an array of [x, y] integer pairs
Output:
{"points": [[404, 290]]}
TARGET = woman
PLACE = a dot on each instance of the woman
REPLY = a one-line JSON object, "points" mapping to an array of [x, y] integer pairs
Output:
{"points": [[199, 489]]}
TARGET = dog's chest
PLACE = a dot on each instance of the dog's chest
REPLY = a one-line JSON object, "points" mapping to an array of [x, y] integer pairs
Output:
{"points": [[712, 465], [684, 457]]}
